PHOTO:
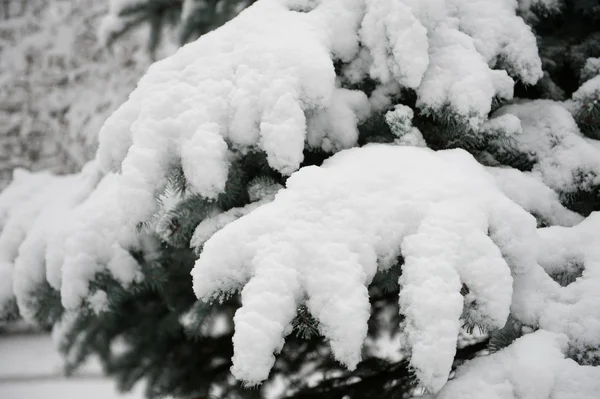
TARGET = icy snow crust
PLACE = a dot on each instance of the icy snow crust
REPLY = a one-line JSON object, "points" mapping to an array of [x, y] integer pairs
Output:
{"points": [[266, 81]]}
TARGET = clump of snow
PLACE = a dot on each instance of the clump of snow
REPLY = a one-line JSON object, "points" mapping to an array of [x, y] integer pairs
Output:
{"points": [[16, 217], [500, 36], [211, 225], [261, 191], [506, 126], [98, 301], [254, 92], [589, 92], [34, 204], [98, 242], [446, 50], [397, 41], [573, 311], [400, 122], [534, 366], [64, 232], [533, 196], [266, 80], [323, 238], [466, 87], [564, 160], [591, 69]]}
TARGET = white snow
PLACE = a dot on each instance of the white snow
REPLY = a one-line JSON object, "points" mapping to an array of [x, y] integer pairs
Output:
{"points": [[466, 87], [98, 301], [324, 236], [537, 365], [15, 218], [500, 36], [400, 122], [591, 69], [533, 196], [266, 80], [33, 206], [588, 93], [211, 225], [97, 242], [533, 367], [574, 311], [446, 51], [253, 92], [564, 160], [504, 126], [63, 234], [390, 28]]}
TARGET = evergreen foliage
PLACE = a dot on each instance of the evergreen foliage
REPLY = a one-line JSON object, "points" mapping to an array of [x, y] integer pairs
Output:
{"points": [[152, 327]]}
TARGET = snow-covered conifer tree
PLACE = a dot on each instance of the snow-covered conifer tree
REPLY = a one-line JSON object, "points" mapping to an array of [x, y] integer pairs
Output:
{"points": [[374, 198]]}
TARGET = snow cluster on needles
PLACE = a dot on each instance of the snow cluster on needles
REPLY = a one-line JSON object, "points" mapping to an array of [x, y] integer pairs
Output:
{"points": [[267, 81]]}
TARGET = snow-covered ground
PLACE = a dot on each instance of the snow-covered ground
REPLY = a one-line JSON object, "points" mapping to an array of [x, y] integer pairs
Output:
{"points": [[31, 368]]}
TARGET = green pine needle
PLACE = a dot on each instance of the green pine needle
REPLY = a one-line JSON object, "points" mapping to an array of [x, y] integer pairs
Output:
{"points": [[304, 324]]}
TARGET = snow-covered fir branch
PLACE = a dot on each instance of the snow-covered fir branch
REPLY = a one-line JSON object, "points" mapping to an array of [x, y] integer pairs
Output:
{"points": [[281, 160]]}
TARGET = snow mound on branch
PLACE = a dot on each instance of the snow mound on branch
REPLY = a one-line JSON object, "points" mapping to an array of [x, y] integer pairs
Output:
{"points": [[249, 84], [266, 80], [574, 311], [323, 238], [211, 225], [533, 196], [29, 207], [534, 366], [589, 92], [97, 242], [391, 27], [466, 88], [16, 217], [500, 36], [591, 69], [564, 160], [446, 50], [63, 231]]}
